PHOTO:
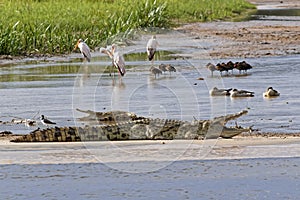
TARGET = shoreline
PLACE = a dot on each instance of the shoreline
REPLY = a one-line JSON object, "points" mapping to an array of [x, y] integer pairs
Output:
{"points": [[239, 147]]}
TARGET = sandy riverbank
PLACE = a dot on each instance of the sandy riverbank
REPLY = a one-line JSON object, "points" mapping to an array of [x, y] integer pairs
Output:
{"points": [[240, 147]]}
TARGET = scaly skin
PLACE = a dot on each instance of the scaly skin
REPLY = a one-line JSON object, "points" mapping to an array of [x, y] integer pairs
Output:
{"points": [[137, 128]]}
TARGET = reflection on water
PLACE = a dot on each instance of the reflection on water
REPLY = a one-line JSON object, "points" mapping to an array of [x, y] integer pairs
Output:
{"points": [[57, 89], [277, 14]]}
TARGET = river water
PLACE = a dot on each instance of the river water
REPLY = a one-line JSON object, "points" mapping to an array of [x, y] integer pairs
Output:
{"points": [[57, 89]]}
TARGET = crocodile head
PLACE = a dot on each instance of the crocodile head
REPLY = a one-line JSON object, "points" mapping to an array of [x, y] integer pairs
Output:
{"points": [[218, 128]]}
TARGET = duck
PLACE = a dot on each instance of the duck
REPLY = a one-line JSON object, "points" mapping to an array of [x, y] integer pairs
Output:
{"points": [[241, 93], [271, 92], [219, 92]]}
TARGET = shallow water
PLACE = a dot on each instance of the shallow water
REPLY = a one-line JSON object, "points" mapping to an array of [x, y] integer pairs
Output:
{"points": [[247, 179], [277, 14], [57, 89]]}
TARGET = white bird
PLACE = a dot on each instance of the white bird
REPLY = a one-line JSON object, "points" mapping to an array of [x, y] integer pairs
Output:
{"points": [[220, 92], [271, 92], [108, 52], [151, 48], [84, 49], [118, 60], [241, 93], [45, 121]]}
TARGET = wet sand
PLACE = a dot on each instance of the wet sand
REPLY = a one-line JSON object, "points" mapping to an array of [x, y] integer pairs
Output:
{"points": [[252, 167], [240, 147]]}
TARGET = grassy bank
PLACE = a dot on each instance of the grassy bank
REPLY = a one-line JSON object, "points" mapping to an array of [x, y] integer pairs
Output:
{"points": [[54, 26]]}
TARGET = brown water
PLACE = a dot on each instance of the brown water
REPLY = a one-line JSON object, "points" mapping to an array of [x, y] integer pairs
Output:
{"points": [[57, 89]]}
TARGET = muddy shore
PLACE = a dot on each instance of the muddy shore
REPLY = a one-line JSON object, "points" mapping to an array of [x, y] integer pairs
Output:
{"points": [[255, 38]]}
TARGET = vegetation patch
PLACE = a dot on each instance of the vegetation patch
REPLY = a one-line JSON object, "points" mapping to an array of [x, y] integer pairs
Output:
{"points": [[53, 26]]}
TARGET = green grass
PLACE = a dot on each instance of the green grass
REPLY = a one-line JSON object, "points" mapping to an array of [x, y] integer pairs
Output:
{"points": [[53, 26]]}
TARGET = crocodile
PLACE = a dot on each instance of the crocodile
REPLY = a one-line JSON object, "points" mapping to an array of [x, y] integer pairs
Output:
{"points": [[121, 125]]}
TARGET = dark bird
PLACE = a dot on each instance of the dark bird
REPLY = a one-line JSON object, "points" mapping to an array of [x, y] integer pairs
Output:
{"points": [[230, 66], [242, 66], [221, 67]]}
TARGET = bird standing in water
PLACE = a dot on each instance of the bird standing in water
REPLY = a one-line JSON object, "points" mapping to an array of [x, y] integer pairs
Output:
{"points": [[45, 121], [151, 48], [118, 60], [108, 52], [84, 49], [155, 71]]}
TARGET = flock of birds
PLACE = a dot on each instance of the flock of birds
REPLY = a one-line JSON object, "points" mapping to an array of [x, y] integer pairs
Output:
{"points": [[151, 48], [229, 66], [270, 92], [118, 60]]}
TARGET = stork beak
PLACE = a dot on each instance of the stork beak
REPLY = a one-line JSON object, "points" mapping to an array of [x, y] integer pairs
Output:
{"points": [[76, 46]]}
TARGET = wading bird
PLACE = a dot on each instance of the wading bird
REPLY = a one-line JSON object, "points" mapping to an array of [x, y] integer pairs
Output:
{"points": [[163, 67], [118, 60], [242, 66], [271, 93], [155, 71], [84, 49], [108, 52], [170, 68], [211, 67], [45, 121], [151, 48]]}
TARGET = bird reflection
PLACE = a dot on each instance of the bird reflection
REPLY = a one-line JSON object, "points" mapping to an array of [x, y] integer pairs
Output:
{"points": [[84, 74]]}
